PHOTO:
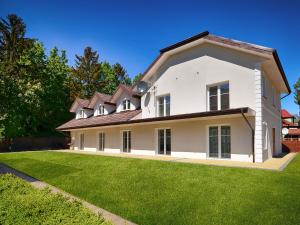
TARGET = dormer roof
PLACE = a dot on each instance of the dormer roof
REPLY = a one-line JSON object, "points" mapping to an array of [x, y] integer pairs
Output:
{"points": [[120, 90], [98, 96], [82, 103]]}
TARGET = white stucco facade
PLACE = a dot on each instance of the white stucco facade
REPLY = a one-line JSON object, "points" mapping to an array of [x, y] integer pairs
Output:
{"points": [[186, 75]]}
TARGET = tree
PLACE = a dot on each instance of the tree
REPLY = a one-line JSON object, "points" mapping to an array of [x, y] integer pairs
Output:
{"points": [[110, 79], [297, 92], [86, 77], [12, 38], [121, 73], [137, 78]]}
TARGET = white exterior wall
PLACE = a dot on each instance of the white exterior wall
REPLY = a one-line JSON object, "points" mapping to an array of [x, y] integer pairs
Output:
{"points": [[186, 75], [188, 139], [271, 117]]}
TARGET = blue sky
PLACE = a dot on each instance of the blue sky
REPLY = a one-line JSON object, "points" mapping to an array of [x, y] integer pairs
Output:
{"points": [[132, 32]]}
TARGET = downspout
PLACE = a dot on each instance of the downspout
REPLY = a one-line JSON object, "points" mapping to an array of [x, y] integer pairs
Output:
{"points": [[253, 134]]}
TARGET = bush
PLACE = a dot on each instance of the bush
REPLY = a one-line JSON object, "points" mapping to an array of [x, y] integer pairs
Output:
{"points": [[22, 204]]}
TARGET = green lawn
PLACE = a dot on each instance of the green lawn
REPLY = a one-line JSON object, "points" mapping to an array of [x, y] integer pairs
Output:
{"points": [[22, 204], [157, 192]]}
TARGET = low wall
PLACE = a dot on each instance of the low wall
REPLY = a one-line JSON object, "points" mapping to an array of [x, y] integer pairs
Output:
{"points": [[291, 145], [34, 143]]}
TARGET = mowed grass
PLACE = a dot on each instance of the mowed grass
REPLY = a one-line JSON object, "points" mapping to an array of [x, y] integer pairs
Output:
{"points": [[22, 204], [157, 192]]}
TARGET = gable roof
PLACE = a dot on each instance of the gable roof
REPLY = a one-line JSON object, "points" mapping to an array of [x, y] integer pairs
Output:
{"points": [[98, 96], [205, 36], [123, 88], [286, 114], [83, 103]]}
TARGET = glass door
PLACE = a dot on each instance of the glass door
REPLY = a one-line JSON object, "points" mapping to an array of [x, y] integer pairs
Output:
{"points": [[219, 142], [126, 141], [164, 141]]}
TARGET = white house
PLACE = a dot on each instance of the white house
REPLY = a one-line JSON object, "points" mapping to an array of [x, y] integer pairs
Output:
{"points": [[206, 97]]}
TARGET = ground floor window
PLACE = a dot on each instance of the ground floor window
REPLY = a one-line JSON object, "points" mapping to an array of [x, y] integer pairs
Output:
{"points": [[101, 141], [164, 141], [126, 139], [81, 141], [219, 141]]}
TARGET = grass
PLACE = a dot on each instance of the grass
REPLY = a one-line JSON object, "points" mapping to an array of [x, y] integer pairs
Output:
{"points": [[157, 192], [22, 204]]}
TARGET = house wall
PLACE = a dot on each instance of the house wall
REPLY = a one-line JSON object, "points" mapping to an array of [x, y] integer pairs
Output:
{"points": [[186, 75], [271, 118], [188, 139]]}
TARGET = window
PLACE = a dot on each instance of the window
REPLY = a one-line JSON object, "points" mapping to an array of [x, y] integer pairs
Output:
{"points": [[126, 141], [264, 86], [126, 104], [101, 110], [218, 97], [80, 114], [164, 141], [219, 140], [81, 141], [101, 141], [163, 105]]}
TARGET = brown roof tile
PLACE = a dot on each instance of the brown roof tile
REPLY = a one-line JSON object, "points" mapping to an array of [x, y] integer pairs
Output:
{"points": [[99, 120]]}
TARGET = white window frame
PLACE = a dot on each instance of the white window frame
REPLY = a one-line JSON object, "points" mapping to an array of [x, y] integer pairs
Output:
{"points": [[165, 140], [266, 136], [127, 104], [103, 141], [122, 147], [219, 141], [101, 109], [218, 94], [164, 104], [80, 114]]}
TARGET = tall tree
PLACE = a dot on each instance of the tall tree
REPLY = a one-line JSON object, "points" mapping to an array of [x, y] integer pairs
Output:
{"points": [[86, 77], [12, 38], [121, 73], [297, 92]]}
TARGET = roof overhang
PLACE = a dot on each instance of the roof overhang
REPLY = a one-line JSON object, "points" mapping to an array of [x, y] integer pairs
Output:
{"points": [[228, 113]]}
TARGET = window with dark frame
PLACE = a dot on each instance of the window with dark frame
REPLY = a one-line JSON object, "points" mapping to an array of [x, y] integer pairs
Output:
{"points": [[126, 104], [219, 97], [164, 141], [101, 139]]}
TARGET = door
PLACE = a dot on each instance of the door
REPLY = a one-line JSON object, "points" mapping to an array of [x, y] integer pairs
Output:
{"points": [[164, 141], [101, 141], [81, 141], [273, 141], [219, 141], [126, 140]]}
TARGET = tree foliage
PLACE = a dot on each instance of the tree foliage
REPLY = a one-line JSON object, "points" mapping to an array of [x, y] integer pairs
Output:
{"points": [[37, 89]]}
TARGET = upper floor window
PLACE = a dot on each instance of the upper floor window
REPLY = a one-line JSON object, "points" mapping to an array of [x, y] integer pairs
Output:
{"points": [[163, 105], [101, 110], [81, 114], [126, 104], [219, 97]]}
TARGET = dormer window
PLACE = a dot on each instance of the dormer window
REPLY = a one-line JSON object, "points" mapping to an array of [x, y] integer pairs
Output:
{"points": [[81, 114], [126, 104], [101, 110]]}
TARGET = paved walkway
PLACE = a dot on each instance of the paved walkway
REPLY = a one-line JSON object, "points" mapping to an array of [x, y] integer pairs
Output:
{"points": [[277, 164], [108, 216]]}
